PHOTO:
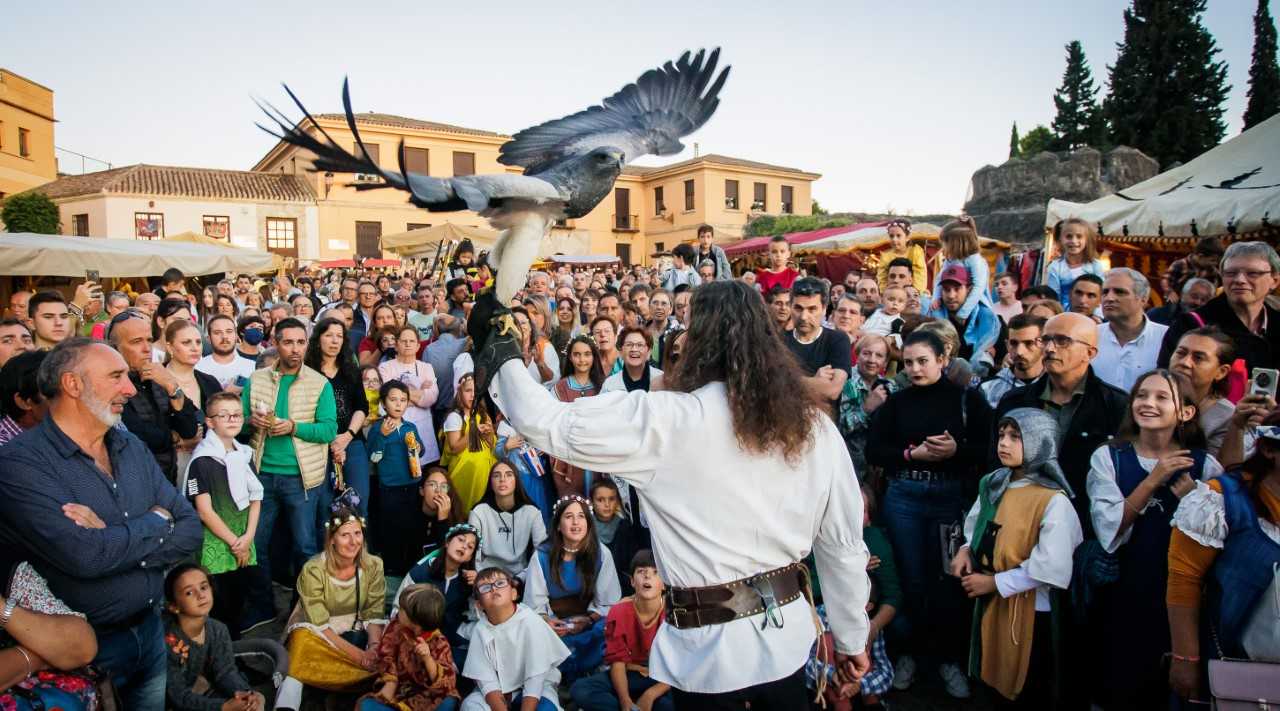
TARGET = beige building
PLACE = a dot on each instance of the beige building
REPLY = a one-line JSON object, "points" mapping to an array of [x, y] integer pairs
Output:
{"points": [[26, 134], [651, 209], [264, 211]]}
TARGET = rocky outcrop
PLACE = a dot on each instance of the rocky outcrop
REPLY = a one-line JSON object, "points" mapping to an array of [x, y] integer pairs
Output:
{"points": [[1008, 201]]}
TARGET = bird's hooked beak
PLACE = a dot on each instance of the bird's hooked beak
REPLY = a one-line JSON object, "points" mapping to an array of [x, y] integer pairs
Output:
{"points": [[619, 158]]}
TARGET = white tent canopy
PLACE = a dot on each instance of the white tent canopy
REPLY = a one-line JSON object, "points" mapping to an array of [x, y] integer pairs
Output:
{"points": [[30, 254], [1236, 183], [865, 238]]}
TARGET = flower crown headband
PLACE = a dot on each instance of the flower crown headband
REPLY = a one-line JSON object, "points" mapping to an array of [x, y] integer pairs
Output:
{"points": [[564, 501], [349, 502], [459, 529]]}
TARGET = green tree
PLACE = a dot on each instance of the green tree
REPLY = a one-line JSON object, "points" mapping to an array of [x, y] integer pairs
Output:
{"points": [[1034, 141], [817, 209], [1166, 91], [30, 212], [1078, 121], [1013, 141], [1264, 73], [769, 225]]}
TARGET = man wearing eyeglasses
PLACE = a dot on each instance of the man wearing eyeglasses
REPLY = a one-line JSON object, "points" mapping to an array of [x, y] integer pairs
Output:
{"points": [[1250, 271], [1086, 408], [367, 297]]}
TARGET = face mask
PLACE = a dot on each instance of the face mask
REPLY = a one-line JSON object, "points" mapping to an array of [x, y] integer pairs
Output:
{"points": [[253, 336]]}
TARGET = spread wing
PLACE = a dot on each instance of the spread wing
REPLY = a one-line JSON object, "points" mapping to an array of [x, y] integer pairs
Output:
{"points": [[473, 192], [646, 117]]}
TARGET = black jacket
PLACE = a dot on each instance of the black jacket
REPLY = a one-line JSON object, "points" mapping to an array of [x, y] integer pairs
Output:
{"points": [[1094, 423], [150, 417], [1257, 351]]}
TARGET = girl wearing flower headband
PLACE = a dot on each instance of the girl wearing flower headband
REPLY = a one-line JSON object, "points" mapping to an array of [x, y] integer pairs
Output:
{"points": [[334, 630], [1226, 543], [584, 377], [1134, 484], [468, 439], [899, 232], [572, 582], [452, 569], [511, 524]]}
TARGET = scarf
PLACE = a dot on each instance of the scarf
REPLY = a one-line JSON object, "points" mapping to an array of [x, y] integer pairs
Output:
{"points": [[606, 530], [1039, 454], [241, 480]]}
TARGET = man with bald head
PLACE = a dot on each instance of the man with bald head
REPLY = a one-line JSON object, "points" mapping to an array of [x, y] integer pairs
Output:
{"points": [[1087, 410], [87, 505]]}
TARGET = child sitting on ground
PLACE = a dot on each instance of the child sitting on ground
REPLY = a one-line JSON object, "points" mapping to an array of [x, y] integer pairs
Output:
{"points": [[628, 634], [515, 656], [202, 667], [416, 671], [226, 493], [1020, 533], [450, 568]]}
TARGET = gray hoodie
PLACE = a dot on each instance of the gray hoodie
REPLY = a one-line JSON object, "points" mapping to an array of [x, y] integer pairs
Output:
{"points": [[509, 538]]}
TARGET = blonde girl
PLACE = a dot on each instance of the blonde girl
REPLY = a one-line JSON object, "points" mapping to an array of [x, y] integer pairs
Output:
{"points": [[1079, 243]]}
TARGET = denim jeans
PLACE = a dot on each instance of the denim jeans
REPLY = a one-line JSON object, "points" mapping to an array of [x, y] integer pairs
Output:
{"points": [[135, 659], [595, 692], [282, 495], [355, 474], [913, 513]]}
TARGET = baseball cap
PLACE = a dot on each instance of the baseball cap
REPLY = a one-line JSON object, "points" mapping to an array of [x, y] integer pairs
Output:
{"points": [[956, 273]]}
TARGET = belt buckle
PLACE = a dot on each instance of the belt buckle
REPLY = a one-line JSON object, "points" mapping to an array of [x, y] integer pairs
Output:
{"points": [[772, 610]]}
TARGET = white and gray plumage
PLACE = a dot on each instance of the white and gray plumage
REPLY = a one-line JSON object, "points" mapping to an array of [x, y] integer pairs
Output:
{"points": [[570, 164]]}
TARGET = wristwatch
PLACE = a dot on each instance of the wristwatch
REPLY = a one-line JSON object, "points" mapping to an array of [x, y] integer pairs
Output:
{"points": [[9, 606], [177, 392]]}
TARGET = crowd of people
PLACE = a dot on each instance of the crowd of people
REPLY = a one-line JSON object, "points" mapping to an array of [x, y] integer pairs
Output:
{"points": [[1067, 494]]}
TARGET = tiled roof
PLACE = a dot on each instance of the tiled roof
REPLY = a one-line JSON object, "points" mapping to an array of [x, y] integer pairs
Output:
{"points": [[712, 158], [393, 121], [145, 179]]}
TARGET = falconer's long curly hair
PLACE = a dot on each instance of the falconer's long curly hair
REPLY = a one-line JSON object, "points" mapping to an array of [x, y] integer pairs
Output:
{"points": [[733, 339]]}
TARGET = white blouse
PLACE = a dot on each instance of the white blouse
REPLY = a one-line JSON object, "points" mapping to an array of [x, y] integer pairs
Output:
{"points": [[1106, 502], [676, 449], [1050, 561]]}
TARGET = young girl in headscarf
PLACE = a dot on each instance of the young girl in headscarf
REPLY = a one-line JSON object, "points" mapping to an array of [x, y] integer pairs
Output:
{"points": [[1021, 534]]}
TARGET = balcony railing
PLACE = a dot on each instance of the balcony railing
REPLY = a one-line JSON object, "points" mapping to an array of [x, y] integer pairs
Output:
{"points": [[626, 223]]}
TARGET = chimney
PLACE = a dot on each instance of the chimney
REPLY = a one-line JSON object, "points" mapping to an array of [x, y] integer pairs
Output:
{"points": [[696, 150]]}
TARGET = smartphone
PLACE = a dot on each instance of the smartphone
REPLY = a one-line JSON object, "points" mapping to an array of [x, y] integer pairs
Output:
{"points": [[241, 381], [92, 275], [1263, 382]]}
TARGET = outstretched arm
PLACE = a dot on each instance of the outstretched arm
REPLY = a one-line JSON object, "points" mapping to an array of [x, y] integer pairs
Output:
{"points": [[621, 433]]}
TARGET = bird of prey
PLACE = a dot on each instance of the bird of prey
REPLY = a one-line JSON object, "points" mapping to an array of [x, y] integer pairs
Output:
{"points": [[570, 163]]}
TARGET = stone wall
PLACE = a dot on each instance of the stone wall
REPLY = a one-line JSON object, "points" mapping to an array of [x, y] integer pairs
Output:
{"points": [[1008, 201]]}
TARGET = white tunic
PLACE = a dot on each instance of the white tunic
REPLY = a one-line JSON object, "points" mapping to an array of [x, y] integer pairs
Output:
{"points": [[1106, 503], [522, 654], [717, 513], [1050, 560]]}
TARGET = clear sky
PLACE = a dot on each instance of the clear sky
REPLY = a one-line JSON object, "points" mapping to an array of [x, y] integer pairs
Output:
{"points": [[895, 103]]}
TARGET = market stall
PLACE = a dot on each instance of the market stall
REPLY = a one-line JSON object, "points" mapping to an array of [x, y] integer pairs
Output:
{"points": [[278, 263], [30, 254], [1231, 191]]}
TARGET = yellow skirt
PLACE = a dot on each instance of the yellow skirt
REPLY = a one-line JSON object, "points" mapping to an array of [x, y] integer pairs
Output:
{"points": [[469, 476], [315, 662]]}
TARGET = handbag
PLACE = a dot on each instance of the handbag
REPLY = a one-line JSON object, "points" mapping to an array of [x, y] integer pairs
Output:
{"points": [[951, 538], [1238, 685], [357, 635]]}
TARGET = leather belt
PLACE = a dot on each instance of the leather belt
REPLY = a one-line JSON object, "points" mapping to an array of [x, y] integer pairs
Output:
{"points": [[925, 475], [689, 608]]}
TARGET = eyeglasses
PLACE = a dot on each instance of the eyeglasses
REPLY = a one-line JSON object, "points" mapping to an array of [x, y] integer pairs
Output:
{"points": [[629, 346], [1252, 275], [440, 486], [228, 416], [486, 588], [1060, 341]]}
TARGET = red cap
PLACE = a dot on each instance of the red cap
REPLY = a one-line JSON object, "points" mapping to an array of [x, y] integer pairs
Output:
{"points": [[956, 273]]}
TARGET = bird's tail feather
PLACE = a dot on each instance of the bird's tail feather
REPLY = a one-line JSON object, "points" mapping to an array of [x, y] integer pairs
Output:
{"points": [[524, 225]]}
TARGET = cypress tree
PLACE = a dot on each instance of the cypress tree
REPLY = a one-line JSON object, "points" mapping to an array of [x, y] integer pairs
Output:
{"points": [[1013, 141], [1264, 74], [1166, 91], [1077, 121]]}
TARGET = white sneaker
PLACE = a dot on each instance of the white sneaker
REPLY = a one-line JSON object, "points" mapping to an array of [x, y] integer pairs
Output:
{"points": [[904, 672], [955, 681]]}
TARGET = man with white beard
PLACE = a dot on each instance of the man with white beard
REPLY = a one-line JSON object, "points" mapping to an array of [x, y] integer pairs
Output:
{"points": [[105, 554]]}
